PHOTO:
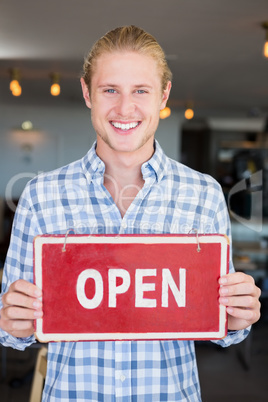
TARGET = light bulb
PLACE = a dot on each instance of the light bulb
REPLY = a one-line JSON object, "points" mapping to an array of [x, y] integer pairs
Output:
{"points": [[189, 114], [27, 125], [16, 90], [13, 85], [55, 86], [164, 113], [265, 49], [55, 89]]}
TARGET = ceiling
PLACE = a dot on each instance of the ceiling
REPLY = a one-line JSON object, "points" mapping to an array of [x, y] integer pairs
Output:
{"points": [[214, 48]]}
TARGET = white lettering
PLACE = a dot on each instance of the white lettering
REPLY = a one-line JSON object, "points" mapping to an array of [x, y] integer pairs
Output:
{"points": [[168, 282], [80, 288], [115, 290], [141, 287]]}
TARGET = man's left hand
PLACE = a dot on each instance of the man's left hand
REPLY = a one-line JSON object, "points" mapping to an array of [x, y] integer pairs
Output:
{"points": [[240, 295]]}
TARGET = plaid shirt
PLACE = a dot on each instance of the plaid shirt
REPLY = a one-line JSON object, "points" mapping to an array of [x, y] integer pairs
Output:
{"points": [[174, 199]]}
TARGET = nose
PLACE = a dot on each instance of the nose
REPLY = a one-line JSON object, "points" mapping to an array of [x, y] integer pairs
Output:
{"points": [[125, 105]]}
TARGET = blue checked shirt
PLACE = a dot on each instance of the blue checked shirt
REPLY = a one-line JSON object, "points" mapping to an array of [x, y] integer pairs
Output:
{"points": [[174, 199]]}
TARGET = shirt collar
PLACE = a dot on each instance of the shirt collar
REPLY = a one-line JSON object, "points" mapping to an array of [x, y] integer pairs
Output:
{"points": [[93, 166], [158, 163]]}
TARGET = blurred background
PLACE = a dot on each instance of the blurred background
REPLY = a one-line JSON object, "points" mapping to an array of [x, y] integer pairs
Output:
{"points": [[217, 123]]}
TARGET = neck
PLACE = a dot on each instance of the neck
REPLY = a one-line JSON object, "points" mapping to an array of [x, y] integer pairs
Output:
{"points": [[123, 178], [124, 167]]}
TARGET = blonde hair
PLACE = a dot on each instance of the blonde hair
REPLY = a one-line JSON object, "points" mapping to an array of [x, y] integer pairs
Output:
{"points": [[127, 38]]}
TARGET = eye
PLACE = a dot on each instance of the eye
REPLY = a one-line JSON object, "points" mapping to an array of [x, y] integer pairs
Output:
{"points": [[141, 91], [110, 91]]}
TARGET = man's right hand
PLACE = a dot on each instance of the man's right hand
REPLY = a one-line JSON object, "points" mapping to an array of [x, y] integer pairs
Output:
{"points": [[21, 306]]}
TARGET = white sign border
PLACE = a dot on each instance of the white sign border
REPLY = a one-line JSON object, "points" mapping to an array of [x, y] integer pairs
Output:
{"points": [[40, 240]]}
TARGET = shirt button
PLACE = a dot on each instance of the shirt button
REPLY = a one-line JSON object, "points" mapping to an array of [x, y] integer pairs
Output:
{"points": [[124, 225], [122, 378]]}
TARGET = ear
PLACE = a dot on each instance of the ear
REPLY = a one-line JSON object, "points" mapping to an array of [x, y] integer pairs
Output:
{"points": [[85, 93], [165, 95]]}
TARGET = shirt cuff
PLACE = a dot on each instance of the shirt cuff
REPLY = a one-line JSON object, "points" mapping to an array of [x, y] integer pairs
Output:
{"points": [[15, 343], [233, 337]]}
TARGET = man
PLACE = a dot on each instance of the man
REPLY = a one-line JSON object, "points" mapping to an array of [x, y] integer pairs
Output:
{"points": [[125, 184]]}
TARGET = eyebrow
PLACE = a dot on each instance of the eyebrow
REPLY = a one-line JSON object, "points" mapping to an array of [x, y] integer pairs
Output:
{"points": [[116, 86]]}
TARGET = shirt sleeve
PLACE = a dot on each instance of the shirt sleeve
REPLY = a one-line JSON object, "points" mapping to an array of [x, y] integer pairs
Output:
{"points": [[222, 225], [19, 260]]}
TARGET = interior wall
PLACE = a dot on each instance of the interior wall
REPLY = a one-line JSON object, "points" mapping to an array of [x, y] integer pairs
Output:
{"points": [[61, 135]]}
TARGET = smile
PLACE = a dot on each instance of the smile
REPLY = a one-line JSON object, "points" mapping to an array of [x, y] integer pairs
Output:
{"points": [[125, 127]]}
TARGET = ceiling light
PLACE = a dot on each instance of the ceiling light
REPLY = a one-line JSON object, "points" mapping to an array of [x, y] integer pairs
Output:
{"points": [[14, 85], [16, 91], [55, 86], [189, 113], [265, 48], [164, 113], [27, 125]]}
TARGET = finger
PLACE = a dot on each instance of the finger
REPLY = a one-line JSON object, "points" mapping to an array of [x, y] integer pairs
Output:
{"points": [[235, 278], [246, 302], [22, 300], [25, 287], [19, 313], [251, 316], [22, 325], [17, 328], [18, 321], [244, 288]]}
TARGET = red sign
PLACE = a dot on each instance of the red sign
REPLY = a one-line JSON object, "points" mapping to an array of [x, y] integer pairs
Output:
{"points": [[130, 287]]}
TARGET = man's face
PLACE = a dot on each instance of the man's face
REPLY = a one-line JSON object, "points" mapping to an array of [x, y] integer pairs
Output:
{"points": [[125, 101]]}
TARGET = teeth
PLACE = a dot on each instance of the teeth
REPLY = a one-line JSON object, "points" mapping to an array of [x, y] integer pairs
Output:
{"points": [[125, 127]]}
